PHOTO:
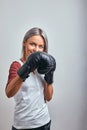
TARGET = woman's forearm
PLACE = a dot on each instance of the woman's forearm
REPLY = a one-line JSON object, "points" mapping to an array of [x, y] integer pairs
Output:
{"points": [[48, 92], [13, 87]]}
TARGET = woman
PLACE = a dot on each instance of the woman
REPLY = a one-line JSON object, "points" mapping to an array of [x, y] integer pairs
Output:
{"points": [[32, 92]]}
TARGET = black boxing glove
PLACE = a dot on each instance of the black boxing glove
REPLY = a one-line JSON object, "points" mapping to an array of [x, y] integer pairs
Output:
{"points": [[49, 75], [29, 66], [46, 63], [47, 66]]}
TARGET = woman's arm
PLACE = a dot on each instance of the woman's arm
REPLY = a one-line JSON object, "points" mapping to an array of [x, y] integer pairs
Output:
{"points": [[14, 81], [48, 91], [13, 87]]}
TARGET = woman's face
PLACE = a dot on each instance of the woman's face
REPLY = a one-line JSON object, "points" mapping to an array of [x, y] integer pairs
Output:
{"points": [[34, 44]]}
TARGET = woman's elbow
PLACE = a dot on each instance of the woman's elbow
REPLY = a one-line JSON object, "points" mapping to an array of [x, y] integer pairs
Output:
{"points": [[7, 93], [48, 98]]}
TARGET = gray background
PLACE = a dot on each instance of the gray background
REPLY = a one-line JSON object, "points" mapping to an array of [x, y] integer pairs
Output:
{"points": [[65, 24]]}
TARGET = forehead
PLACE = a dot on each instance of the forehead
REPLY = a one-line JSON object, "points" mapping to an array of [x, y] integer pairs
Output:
{"points": [[36, 39]]}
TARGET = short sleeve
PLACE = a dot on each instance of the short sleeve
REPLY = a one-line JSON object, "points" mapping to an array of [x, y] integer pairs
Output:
{"points": [[13, 71]]}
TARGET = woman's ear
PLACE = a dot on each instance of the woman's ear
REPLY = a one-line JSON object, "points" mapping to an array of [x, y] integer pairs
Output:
{"points": [[24, 44]]}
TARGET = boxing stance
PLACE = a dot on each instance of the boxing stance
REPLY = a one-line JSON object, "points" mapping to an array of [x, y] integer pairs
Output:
{"points": [[30, 82]]}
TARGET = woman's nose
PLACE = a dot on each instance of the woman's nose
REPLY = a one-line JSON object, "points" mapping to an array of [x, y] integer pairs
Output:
{"points": [[36, 49]]}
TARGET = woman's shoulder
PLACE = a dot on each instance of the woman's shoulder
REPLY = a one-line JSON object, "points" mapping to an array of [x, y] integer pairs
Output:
{"points": [[16, 64]]}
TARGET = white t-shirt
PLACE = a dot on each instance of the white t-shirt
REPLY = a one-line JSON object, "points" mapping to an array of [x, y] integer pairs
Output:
{"points": [[31, 110]]}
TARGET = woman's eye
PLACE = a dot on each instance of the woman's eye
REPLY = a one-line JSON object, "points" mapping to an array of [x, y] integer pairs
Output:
{"points": [[41, 47], [32, 44]]}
